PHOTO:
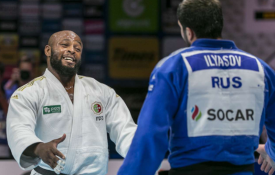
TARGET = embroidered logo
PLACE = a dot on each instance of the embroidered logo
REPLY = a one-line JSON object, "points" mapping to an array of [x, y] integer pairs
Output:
{"points": [[52, 109], [15, 97], [196, 113], [97, 108], [30, 83], [99, 118], [80, 76]]}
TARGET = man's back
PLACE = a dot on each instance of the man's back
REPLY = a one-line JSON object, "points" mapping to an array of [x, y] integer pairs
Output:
{"points": [[213, 98], [220, 105]]}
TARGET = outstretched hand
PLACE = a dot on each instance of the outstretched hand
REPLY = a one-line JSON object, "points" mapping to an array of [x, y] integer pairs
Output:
{"points": [[48, 153], [268, 165]]}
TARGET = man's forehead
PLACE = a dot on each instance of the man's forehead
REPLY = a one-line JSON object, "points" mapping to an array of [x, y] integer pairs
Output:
{"points": [[67, 35], [64, 35]]}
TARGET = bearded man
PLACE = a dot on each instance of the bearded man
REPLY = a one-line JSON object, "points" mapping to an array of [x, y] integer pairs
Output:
{"points": [[58, 122]]}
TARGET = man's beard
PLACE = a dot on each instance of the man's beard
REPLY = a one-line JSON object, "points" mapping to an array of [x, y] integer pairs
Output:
{"points": [[62, 70]]}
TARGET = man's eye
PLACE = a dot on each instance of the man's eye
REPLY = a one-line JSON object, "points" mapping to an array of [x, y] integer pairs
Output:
{"points": [[64, 45], [78, 50]]}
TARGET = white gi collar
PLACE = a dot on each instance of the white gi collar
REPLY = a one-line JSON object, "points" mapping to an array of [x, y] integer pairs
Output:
{"points": [[78, 87]]}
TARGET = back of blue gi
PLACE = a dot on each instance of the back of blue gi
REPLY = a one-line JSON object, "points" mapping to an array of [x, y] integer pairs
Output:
{"points": [[214, 99]]}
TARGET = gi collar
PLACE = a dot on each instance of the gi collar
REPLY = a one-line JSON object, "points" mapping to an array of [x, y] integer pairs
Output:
{"points": [[214, 43]]}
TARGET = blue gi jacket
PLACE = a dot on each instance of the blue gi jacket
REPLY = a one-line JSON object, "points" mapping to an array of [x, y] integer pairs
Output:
{"points": [[214, 99]]}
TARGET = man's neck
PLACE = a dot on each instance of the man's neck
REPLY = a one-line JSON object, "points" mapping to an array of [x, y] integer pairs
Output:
{"points": [[203, 38]]}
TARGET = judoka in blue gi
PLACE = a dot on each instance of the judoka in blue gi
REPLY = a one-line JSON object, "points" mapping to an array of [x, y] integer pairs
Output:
{"points": [[212, 98]]}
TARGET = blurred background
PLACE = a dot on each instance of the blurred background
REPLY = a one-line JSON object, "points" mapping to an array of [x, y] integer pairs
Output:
{"points": [[123, 41]]}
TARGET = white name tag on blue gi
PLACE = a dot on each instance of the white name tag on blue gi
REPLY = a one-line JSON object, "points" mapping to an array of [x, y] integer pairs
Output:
{"points": [[225, 93]]}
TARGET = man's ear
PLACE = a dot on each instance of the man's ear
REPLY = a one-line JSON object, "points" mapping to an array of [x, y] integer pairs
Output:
{"points": [[48, 50], [190, 34]]}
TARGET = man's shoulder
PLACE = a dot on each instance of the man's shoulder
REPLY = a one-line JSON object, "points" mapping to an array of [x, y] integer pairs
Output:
{"points": [[91, 82], [263, 63], [32, 84], [30, 89], [96, 88], [174, 56], [88, 80], [172, 62]]}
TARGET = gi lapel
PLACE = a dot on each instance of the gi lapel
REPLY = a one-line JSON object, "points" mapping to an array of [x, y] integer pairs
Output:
{"points": [[76, 112], [60, 88], [75, 141]]}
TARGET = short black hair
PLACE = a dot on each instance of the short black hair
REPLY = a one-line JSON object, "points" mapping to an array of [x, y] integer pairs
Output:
{"points": [[204, 17]]}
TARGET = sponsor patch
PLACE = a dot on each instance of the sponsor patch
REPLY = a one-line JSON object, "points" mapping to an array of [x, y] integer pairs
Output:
{"points": [[97, 108], [196, 113], [52, 109]]}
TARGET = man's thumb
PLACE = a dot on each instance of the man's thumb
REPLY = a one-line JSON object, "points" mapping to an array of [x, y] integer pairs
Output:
{"points": [[261, 149], [61, 139]]}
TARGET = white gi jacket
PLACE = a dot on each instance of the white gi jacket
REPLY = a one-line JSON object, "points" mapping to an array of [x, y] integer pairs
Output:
{"points": [[42, 111]]}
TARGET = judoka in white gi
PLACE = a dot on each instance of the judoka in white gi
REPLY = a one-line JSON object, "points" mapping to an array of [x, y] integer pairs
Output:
{"points": [[63, 103]]}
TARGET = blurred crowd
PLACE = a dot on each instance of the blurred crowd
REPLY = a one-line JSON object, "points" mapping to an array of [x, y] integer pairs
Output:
{"points": [[22, 74]]}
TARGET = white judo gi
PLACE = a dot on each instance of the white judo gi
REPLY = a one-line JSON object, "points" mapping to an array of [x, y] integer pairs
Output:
{"points": [[42, 111]]}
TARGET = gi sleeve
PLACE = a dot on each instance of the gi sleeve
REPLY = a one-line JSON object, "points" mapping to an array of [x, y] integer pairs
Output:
{"points": [[21, 122], [150, 142], [270, 110], [120, 124]]}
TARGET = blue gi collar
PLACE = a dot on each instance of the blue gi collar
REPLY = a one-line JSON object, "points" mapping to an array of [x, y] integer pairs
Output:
{"points": [[215, 43]]}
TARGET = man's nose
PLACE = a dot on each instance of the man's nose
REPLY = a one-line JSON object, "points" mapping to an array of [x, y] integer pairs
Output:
{"points": [[71, 49]]}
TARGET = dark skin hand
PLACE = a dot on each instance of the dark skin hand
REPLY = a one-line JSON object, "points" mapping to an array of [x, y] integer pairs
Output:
{"points": [[46, 151]]}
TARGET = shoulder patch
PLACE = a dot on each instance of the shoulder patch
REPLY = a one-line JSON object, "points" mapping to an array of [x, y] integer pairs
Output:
{"points": [[15, 97], [80, 76], [31, 83]]}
